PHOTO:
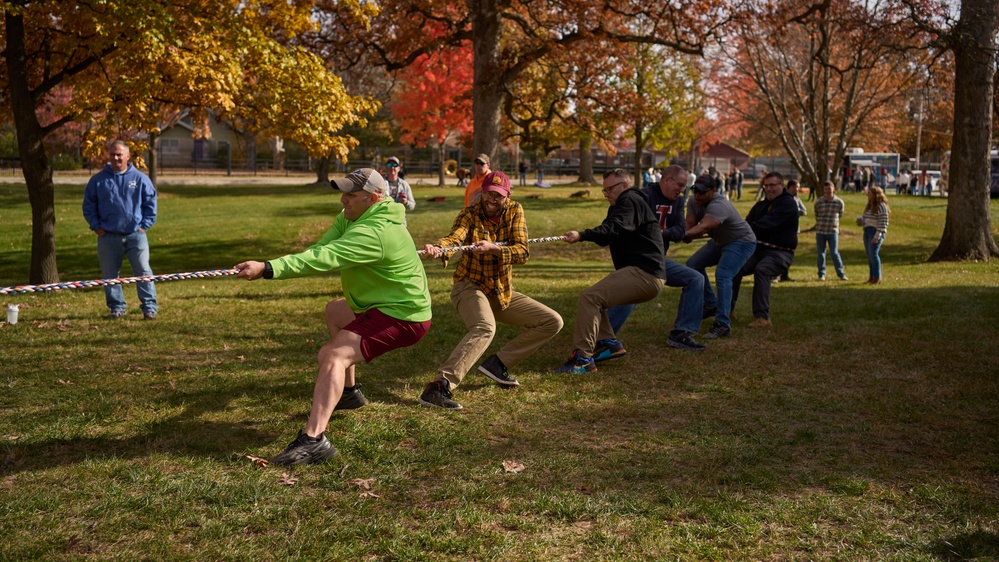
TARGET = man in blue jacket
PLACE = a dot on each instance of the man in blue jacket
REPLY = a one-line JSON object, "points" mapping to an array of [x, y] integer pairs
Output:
{"points": [[120, 206], [774, 221]]}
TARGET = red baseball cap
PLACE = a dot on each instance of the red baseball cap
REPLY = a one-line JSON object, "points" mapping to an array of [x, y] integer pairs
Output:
{"points": [[498, 182]]}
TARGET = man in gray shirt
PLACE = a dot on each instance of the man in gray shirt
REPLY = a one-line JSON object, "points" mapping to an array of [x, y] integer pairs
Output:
{"points": [[732, 242]]}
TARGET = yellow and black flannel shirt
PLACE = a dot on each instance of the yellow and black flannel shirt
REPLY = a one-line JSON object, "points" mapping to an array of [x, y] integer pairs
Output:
{"points": [[492, 274]]}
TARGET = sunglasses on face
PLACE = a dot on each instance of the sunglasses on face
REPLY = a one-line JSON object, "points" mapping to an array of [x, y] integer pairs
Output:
{"points": [[479, 163], [392, 165]]}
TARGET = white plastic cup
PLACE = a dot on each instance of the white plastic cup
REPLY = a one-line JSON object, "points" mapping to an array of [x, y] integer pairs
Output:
{"points": [[12, 313]]}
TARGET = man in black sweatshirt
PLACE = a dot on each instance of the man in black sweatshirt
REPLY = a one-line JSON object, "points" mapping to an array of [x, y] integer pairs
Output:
{"points": [[636, 246], [774, 221]]}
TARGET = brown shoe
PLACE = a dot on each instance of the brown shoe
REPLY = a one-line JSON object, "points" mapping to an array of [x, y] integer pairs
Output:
{"points": [[759, 322], [876, 281]]}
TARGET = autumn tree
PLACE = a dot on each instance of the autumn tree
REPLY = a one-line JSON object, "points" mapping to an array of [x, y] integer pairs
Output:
{"points": [[508, 37], [652, 97], [122, 59], [434, 101], [817, 76]]}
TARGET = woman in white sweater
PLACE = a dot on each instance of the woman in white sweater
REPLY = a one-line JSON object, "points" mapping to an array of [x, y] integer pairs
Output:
{"points": [[875, 223]]}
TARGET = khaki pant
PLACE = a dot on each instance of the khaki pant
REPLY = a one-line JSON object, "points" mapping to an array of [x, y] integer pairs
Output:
{"points": [[481, 314], [628, 285]]}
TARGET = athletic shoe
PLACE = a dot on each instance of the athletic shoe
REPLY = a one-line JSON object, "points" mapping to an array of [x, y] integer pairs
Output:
{"points": [[844, 278], [351, 399], [149, 315], [823, 278], [718, 331], [438, 395], [684, 340], [493, 368], [116, 314], [709, 312], [576, 365], [608, 349], [306, 450], [760, 322]]}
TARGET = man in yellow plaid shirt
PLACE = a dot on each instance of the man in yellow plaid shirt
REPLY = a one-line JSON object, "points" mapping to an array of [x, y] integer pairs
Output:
{"points": [[483, 292]]}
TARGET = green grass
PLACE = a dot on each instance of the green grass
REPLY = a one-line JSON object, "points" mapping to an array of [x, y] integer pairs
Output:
{"points": [[862, 426]]}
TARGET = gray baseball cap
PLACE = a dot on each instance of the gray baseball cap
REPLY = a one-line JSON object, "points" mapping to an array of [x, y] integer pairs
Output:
{"points": [[365, 178]]}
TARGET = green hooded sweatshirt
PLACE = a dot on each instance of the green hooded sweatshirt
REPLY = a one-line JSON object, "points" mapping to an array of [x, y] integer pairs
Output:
{"points": [[377, 261]]}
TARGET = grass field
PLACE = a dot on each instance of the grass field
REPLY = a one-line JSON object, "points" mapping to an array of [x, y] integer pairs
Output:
{"points": [[863, 426]]}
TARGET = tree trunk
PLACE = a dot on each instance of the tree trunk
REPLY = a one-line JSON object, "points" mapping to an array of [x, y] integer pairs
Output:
{"points": [[967, 232], [488, 90], [586, 161], [639, 149], [250, 139], [323, 169], [34, 161], [153, 162], [441, 153]]}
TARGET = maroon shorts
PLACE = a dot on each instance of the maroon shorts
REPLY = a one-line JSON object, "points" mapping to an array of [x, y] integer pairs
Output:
{"points": [[381, 333]]}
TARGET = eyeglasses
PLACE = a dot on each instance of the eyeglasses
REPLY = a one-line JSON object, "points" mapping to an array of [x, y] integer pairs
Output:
{"points": [[392, 165], [493, 196], [611, 188]]}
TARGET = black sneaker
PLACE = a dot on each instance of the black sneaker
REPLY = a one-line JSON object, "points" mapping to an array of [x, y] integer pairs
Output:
{"points": [[684, 340], [351, 399], [718, 331], [306, 450], [708, 312], [493, 368], [608, 349], [438, 395]]}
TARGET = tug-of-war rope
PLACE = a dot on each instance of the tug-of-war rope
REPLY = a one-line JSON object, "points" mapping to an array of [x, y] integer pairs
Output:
{"points": [[191, 275]]}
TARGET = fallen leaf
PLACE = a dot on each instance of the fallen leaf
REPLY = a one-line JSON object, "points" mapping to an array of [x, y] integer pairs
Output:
{"points": [[173, 384], [344, 470], [513, 466], [65, 382], [257, 460], [369, 495], [287, 479], [364, 483]]}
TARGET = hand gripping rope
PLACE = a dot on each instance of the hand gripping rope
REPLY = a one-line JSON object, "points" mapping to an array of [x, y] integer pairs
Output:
{"points": [[192, 275]]}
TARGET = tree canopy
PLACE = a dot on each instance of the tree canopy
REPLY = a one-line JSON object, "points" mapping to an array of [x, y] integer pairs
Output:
{"points": [[122, 61]]}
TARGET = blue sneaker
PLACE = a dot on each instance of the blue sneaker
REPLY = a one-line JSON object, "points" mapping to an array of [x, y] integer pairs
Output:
{"points": [[608, 349], [576, 365]]}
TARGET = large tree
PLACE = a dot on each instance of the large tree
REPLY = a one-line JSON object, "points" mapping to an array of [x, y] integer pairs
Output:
{"points": [[817, 76], [122, 59], [968, 230], [509, 36]]}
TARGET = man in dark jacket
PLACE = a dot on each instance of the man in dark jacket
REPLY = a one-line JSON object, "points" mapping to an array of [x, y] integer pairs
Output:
{"points": [[636, 246], [774, 221], [667, 202]]}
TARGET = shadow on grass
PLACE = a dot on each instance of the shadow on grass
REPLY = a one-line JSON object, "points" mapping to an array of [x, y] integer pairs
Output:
{"points": [[184, 434], [980, 545]]}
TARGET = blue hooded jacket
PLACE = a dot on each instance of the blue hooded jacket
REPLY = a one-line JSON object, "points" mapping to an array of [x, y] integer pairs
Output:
{"points": [[121, 203]]}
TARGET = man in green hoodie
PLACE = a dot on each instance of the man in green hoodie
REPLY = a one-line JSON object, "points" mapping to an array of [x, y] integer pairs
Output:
{"points": [[386, 302]]}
